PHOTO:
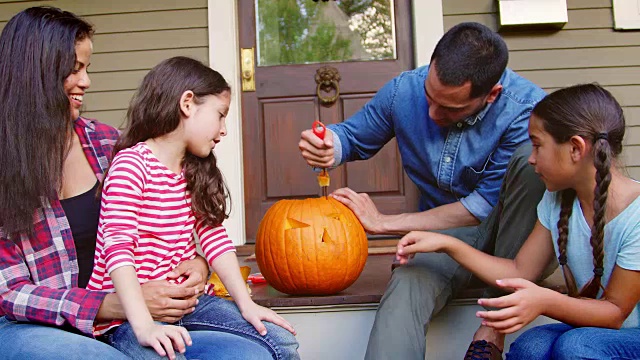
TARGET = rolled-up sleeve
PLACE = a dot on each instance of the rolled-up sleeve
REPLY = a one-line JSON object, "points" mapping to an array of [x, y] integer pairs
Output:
{"points": [[477, 205]]}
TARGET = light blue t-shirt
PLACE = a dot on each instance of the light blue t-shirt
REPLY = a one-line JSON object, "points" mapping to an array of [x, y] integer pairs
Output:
{"points": [[621, 242]]}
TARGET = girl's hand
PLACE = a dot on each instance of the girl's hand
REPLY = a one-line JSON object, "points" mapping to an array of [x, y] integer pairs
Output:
{"points": [[255, 313], [518, 309], [415, 242], [164, 338]]}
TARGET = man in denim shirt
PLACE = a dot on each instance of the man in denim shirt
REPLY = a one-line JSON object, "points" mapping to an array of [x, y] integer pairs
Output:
{"points": [[457, 123]]}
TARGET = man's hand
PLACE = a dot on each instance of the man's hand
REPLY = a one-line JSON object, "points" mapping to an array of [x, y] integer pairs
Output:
{"points": [[363, 207], [317, 152]]}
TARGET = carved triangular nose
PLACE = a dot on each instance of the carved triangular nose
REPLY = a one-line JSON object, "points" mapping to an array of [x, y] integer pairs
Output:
{"points": [[325, 236]]}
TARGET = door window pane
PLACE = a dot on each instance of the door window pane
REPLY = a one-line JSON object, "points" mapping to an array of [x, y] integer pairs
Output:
{"points": [[306, 31]]}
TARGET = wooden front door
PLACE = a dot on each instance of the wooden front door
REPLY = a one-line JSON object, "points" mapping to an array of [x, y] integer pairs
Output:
{"points": [[294, 39]]}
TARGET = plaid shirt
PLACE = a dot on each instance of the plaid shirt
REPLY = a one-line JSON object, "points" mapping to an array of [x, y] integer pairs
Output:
{"points": [[39, 276]]}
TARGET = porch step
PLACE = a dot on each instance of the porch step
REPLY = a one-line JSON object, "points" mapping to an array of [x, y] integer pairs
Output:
{"points": [[338, 326], [342, 332]]}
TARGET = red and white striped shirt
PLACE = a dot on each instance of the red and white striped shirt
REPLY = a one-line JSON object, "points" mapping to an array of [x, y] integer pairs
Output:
{"points": [[146, 221]]}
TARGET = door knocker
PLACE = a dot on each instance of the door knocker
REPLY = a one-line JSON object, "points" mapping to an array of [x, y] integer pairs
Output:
{"points": [[328, 79]]}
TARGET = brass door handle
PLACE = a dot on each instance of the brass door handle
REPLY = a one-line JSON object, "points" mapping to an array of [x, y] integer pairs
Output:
{"points": [[328, 79], [247, 69]]}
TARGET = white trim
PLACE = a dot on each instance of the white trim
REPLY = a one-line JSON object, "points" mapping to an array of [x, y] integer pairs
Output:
{"points": [[224, 52], [428, 28], [223, 57], [626, 14], [532, 12]]}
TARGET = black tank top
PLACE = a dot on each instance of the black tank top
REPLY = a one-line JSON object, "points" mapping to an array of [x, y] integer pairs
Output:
{"points": [[82, 212]]}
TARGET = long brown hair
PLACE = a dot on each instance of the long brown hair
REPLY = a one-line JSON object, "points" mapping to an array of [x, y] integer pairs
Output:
{"points": [[591, 112], [155, 111], [37, 54]]}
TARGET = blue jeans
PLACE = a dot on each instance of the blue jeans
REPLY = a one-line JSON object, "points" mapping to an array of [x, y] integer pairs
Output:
{"points": [[218, 331], [39, 342], [563, 342]]}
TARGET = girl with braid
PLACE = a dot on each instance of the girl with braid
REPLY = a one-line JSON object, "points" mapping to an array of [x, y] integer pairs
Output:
{"points": [[589, 218]]}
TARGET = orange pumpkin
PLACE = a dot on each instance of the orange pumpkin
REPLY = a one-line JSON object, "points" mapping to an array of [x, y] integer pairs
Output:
{"points": [[314, 246]]}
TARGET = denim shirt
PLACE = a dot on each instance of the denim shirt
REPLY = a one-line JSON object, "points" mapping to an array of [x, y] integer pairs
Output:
{"points": [[464, 162]]}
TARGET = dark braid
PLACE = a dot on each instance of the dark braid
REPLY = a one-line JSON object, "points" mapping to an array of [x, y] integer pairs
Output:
{"points": [[567, 198], [591, 112], [602, 162]]}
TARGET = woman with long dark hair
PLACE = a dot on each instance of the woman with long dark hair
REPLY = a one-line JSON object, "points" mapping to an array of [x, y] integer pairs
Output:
{"points": [[44, 55], [52, 160]]}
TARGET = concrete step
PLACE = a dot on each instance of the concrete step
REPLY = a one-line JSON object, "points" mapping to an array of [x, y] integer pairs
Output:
{"points": [[342, 332]]}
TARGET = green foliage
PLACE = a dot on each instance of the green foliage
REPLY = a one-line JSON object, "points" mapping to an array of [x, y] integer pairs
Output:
{"points": [[325, 45], [297, 31], [285, 36], [372, 20], [352, 7]]}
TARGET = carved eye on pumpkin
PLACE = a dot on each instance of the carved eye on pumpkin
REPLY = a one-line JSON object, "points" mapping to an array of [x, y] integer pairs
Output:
{"points": [[294, 224]]}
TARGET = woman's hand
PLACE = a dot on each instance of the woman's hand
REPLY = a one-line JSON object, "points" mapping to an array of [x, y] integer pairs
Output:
{"points": [[255, 313], [169, 302], [164, 338], [418, 241], [196, 272], [363, 207], [518, 309], [166, 302]]}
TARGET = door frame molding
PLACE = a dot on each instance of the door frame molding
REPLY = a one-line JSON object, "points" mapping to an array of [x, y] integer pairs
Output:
{"points": [[224, 56]]}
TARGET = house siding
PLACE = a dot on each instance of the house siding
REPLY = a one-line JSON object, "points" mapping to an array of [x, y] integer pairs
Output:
{"points": [[131, 37], [586, 49]]}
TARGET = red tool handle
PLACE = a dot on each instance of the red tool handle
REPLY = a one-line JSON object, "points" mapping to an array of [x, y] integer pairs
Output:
{"points": [[257, 278], [319, 129]]}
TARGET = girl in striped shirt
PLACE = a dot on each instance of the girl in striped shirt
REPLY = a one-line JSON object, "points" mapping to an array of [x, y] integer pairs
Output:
{"points": [[163, 185]]}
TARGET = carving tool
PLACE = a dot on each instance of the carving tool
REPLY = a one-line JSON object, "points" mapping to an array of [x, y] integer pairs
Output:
{"points": [[323, 179]]}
